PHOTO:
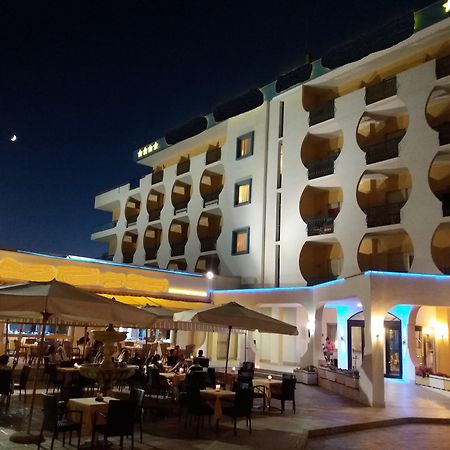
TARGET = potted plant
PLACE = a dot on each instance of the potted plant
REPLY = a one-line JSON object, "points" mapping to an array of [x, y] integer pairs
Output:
{"points": [[307, 375]]}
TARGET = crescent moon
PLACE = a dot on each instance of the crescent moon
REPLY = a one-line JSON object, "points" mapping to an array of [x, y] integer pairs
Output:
{"points": [[13, 138]]}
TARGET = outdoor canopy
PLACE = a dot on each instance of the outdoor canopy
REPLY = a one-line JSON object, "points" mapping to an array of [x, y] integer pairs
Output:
{"points": [[67, 304], [233, 315]]}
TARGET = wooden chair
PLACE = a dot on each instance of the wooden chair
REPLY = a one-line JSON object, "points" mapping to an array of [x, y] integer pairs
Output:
{"points": [[19, 351], [242, 407], [287, 391], [137, 398]]}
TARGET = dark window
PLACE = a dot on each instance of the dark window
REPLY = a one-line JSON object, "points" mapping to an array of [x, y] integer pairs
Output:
{"points": [[241, 241]]}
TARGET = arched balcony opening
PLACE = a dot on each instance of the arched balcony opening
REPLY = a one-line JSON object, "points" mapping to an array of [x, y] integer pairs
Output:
{"points": [[112, 247], [379, 132], [177, 264], [181, 195], [208, 263], [152, 241], [184, 165], [382, 195], [209, 227], [437, 112], [321, 261], [155, 203], [211, 185], [132, 209], [213, 154], [320, 151], [319, 207], [178, 236], [440, 248], [389, 251], [439, 180], [129, 243]]}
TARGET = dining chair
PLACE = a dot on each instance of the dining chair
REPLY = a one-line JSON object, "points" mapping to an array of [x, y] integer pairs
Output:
{"points": [[196, 407], [5, 386], [287, 393], [119, 421], [154, 383], [55, 423], [242, 407], [21, 385], [137, 398]]}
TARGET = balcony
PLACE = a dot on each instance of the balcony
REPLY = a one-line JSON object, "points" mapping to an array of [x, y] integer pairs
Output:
{"points": [[150, 253], [380, 91], [183, 166], [320, 225], [446, 205], [154, 215], [105, 226], [208, 245], [210, 199], [213, 155], [128, 258], [444, 133], [443, 67], [180, 207], [384, 215], [132, 219], [177, 249], [386, 149], [322, 167], [321, 113], [157, 176]]}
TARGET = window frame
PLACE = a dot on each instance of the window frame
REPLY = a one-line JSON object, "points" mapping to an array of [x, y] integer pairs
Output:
{"points": [[237, 185], [251, 136], [235, 234]]}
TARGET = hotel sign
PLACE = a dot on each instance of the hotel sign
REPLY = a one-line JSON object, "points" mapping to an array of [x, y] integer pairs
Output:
{"points": [[148, 149]]}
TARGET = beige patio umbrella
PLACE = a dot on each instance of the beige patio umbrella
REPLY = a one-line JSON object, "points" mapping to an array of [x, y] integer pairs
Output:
{"points": [[234, 316], [61, 303]]}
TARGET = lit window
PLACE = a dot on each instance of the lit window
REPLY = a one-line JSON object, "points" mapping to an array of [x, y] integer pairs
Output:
{"points": [[244, 145], [243, 192], [241, 241]]}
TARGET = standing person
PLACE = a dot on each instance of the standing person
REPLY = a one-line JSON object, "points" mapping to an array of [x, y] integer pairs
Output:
{"points": [[329, 350]]}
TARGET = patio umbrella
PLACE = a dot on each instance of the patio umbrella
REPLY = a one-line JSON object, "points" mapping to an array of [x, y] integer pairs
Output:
{"points": [[233, 315], [56, 302]]}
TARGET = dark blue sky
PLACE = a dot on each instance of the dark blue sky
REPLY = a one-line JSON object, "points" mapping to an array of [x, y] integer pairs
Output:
{"points": [[83, 83]]}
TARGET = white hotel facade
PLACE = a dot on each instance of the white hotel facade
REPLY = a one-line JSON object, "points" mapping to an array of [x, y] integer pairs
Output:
{"points": [[327, 193]]}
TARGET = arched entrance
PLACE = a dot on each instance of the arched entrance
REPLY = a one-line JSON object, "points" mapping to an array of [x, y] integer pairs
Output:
{"points": [[393, 367]]}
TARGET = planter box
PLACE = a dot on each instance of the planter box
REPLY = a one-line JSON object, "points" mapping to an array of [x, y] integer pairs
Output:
{"points": [[436, 382], [422, 381], [322, 372], [447, 384], [330, 375], [352, 382], [341, 378], [306, 377]]}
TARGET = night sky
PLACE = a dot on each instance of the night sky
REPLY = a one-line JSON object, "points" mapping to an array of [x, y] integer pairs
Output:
{"points": [[84, 83]]}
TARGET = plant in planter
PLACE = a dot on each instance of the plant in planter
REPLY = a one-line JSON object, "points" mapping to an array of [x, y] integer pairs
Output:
{"points": [[307, 374]]}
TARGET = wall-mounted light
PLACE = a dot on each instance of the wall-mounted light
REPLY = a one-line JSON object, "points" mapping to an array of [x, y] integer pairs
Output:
{"points": [[309, 327]]}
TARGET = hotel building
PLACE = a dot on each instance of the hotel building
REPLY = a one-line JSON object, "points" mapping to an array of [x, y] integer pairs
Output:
{"points": [[327, 192]]}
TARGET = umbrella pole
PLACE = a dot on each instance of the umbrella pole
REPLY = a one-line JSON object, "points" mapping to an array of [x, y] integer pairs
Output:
{"points": [[228, 349], [29, 438]]}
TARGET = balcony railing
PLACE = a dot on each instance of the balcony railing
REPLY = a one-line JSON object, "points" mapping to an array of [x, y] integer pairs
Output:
{"points": [[157, 176], [443, 67], [150, 253], [321, 113], [177, 249], [128, 257], [381, 151], [211, 199], [322, 167], [154, 215], [444, 133], [183, 166], [208, 245], [446, 205], [319, 279], [180, 207], [388, 214], [105, 226], [132, 219], [384, 89], [213, 155], [320, 225]]}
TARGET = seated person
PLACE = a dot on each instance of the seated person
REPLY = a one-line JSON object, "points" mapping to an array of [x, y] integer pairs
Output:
{"points": [[51, 354], [61, 355], [156, 362], [83, 341], [172, 358], [4, 359], [137, 359], [201, 360], [124, 356]]}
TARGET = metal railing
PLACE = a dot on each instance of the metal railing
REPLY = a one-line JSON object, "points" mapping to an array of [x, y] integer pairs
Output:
{"points": [[322, 167], [446, 206], [379, 91], [180, 207], [154, 215], [105, 226], [321, 113], [319, 279], [213, 155], [131, 220], [183, 166], [444, 133], [128, 257], [157, 176], [211, 199], [383, 150], [320, 225], [150, 253], [177, 249], [388, 214], [208, 245]]}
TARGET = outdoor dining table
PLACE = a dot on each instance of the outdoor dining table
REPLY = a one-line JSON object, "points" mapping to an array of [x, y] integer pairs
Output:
{"points": [[226, 379], [217, 397], [270, 386], [67, 374], [89, 406], [173, 378]]}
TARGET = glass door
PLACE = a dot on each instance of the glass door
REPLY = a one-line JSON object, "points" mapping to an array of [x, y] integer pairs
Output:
{"points": [[355, 348], [393, 336]]}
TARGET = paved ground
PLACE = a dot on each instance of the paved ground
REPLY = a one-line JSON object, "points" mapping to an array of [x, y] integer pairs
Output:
{"points": [[319, 413]]}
